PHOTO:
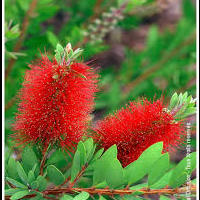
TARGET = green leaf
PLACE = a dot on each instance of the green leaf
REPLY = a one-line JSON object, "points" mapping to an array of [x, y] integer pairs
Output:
{"points": [[184, 97], [173, 101], [19, 195], [183, 170], [75, 165], [188, 112], [104, 164], [59, 48], [34, 185], [163, 181], [36, 169], [31, 177], [138, 169], [12, 191], [55, 175], [160, 166], [98, 154], [139, 186], [101, 185], [38, 196], [82, 196], [58, 159], [11, 168], [162, 197], [22, 173], [102, 198], [59, 52], [67, 173], [184, 104], [29, 159], [77, 53], [42, 183], [115, 174], [89, 145], [15, 183], [67, 197], [109, 169], [81, 148], [110, 153]]}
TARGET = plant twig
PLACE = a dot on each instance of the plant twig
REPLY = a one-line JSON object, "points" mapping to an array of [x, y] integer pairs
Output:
{"points": [[66, 181], [11, 102], [71, 185], [157, 66], [18, 45], [44, 159], [110, 192], [96, 9], [121, 191]]}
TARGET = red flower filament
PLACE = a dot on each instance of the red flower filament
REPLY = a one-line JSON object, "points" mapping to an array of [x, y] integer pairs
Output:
{"points": [[56, 102], [136, 127]]}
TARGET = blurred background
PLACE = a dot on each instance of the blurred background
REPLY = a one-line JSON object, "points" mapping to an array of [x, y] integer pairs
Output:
{"points": [[141, 48]]}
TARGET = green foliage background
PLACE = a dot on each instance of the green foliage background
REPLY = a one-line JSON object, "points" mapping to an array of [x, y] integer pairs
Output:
{"points": [[164, 64]]}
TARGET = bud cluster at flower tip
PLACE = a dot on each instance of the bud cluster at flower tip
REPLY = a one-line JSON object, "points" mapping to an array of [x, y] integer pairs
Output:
{"points": [[100, 27], [65, 57]]}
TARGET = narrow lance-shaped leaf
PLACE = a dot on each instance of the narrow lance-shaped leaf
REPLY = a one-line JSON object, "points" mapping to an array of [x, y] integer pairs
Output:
{"points": [[15, 183], [19, 195], [22, 174]]}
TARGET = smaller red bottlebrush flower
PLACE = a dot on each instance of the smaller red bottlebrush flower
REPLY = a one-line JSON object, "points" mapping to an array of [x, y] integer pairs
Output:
{"points": [[134, 128], [56, 103]]}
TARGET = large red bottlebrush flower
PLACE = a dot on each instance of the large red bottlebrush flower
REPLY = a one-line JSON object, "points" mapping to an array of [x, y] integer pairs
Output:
{"points": [[56, 102], [136, 127]]}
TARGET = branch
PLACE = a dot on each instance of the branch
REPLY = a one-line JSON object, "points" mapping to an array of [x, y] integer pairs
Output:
{"points": [[11, 102], [43, 159], [71, 185], [96, 9], [153, 69], [110, 192], [105, 191], [18, 45]]}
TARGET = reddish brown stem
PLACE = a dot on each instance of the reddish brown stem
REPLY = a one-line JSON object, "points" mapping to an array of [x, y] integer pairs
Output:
{"points": [[18, 45], [43, 159], [71, 185], [11, 102], [66, 181], [110, 192], [97, 8], [121, 191]]}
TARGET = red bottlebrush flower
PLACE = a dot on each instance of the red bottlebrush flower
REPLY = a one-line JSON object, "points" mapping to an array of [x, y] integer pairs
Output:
{"points": [[56, 102], [136, 127]]}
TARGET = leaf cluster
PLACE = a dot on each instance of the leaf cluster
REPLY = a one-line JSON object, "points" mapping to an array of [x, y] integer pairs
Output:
{"points": [[95, 173]]}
